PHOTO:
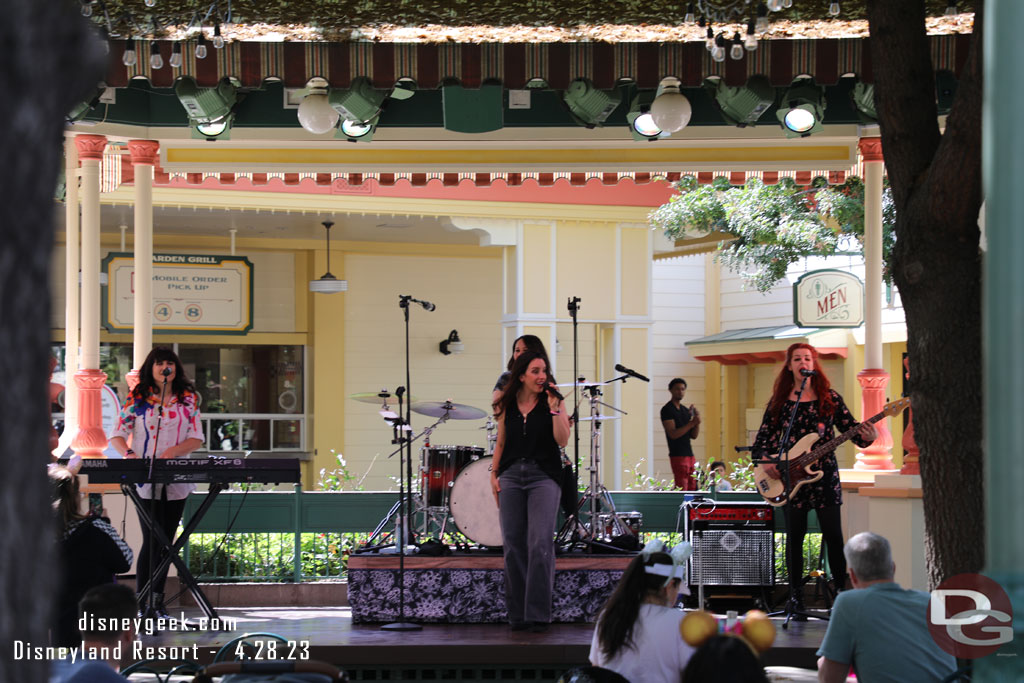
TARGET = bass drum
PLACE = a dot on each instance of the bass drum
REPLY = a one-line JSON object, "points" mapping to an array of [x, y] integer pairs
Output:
{"points": [[472, 504]]}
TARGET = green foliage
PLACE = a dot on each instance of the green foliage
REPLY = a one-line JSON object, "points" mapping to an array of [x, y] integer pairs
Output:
{"points": [[812, 550], [641, 481], [271, 557], [772, 226], [340, 478]]}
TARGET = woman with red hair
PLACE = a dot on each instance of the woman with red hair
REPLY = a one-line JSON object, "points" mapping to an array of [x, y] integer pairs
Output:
{"points": [[821, 410]]}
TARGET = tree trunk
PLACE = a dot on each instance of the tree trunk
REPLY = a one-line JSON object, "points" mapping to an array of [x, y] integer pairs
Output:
{"points": [[49, 60], [936, 182]]}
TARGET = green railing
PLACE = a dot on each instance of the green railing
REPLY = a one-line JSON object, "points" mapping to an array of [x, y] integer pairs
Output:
{"points": [[304, 535]]}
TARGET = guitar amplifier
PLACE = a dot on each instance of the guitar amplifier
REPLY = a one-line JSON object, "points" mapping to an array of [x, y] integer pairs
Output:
{"points": [[733, 543]]}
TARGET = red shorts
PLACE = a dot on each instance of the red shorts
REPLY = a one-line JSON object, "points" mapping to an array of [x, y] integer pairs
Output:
{"points": [[682, 470]]}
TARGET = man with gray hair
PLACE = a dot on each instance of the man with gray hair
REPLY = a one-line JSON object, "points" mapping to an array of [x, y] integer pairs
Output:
{"points": [[880, 629]]}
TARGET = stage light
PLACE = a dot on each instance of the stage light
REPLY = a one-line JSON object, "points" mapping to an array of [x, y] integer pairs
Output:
{"points": [[744, 105], [802, 109], [210, 110], [315, 113], [588, 105], [361, 102], [670, 110], [863, 96], [641, 123], [357, 131]]}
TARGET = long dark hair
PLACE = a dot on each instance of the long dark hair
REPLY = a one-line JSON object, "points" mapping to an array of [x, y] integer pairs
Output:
{"points": [[64, 494], [532, 343], [147, 386], [615, 625], [784, 384], [507, 401], [724, 659]]}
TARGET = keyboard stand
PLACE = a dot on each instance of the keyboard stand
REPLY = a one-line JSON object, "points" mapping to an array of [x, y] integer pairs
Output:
{"points": [[170, 551]]}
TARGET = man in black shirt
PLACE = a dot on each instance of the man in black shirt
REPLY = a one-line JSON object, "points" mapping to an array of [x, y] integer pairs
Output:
{"points": [[681, 425]]}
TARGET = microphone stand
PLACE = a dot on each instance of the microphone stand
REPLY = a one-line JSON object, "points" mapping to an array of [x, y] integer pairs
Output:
{"points": [[150, 611], [781, 463], [405, 485]]}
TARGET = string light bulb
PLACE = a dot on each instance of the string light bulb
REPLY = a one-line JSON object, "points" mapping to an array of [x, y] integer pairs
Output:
{"points": [[87, 8], [690, 16], [156, 61], [718, 54], [150, 3], [709, 42], [787, 4], [750, 42], [762, 18], [129, 58], [774, 5], [201, 46], [176, 56], [833, 9], [218, 40], [737, 51], [951, 10]]}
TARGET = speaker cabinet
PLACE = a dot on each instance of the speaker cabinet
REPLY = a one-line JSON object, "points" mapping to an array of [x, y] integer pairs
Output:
{"points": [[733, 544]]}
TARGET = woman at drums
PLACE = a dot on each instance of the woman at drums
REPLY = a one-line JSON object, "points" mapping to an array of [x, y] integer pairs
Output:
{"points": [[162, 421], [821, 410], [527, 342], [526, 480]]}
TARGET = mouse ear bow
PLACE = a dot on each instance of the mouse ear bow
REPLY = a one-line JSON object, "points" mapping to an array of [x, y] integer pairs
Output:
{"points": [[655, 545]]}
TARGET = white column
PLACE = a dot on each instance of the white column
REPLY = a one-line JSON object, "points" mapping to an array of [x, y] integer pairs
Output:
{"points": [[90, 441], [144, 156], [72, 263]]}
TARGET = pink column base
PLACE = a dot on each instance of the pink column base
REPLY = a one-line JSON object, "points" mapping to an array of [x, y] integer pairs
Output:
{"points": [[90, 441], [131, 378], [911, 453], [877, 456]]}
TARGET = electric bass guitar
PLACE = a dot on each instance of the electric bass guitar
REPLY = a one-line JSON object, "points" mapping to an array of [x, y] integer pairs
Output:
{"points": [[801, 459]]}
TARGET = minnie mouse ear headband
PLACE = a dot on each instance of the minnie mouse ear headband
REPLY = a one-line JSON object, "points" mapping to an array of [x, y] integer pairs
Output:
{"points": [[679, 555], [756, 629]]}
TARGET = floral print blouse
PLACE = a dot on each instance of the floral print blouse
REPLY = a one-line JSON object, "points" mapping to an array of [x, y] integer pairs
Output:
{"points": [[137, 424]]}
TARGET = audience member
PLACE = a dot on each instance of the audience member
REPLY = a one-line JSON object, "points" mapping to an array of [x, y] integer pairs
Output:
{"points": [[725, 658], [719, 476], [880, 629], [637, 633], [91, 554]]}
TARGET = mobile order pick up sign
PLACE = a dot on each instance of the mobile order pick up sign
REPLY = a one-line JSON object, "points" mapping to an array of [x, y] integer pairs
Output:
{"points": [[191, 293]]}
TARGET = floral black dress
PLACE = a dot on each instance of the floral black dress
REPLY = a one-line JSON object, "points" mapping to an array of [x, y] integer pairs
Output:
{"points": [[827, 490]]}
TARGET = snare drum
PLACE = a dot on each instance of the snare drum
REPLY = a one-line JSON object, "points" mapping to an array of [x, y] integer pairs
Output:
{"points": [[632, 521], [474, 509], [440, 467]]}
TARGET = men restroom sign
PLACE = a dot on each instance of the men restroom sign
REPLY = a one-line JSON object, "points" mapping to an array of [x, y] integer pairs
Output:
{"points": [[198, 293], [828, 298]]}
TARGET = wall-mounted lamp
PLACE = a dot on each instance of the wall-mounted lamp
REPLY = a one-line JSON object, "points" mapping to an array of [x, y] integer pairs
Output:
{"points": [[328, 284], [452, 344]]}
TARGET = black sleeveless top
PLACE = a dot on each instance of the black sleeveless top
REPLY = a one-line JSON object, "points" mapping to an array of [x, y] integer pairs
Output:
{"points": [[531, 439]]}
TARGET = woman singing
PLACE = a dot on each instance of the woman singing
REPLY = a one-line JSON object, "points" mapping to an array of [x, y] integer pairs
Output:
{"points": [[527, 342], [821, 410], [162, 420], [526, 480]]}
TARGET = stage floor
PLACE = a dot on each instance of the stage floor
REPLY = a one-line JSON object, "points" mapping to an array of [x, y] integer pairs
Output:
{"points": [[490, 652]]}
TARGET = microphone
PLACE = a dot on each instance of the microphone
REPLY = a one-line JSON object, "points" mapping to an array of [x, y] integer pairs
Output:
{"points": [[166, 372], [427, 306], [808, 373], [550, 388], [631, 373]]}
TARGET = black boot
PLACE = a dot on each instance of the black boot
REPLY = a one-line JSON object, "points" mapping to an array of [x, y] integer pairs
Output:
{"points": [[159, 607], [796, 606]]}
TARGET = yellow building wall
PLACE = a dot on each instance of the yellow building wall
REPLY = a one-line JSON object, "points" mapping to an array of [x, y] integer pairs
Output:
{"points": [[536, 268], [635, 267], [634, 427], [586, 267], [367, 351]]}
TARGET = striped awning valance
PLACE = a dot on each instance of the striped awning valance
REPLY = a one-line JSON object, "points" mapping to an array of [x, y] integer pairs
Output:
{"points": [[514, 64]]}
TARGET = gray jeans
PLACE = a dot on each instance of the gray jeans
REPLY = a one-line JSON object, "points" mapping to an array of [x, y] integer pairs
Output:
{"points": [[528, 506]]}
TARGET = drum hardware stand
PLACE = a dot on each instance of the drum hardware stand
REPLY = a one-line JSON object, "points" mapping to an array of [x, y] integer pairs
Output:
{"points": [[781, 462], [596, 496]]}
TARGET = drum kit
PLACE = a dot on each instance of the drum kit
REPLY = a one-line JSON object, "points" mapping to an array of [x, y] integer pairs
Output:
{"points": [[453, 482]]}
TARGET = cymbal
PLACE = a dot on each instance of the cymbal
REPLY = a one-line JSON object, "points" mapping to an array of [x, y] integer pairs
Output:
{"points": [[453, 411], [600, 417], [380, 397]]}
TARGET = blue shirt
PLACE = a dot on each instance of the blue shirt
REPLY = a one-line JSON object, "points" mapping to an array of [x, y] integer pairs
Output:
{"points": [[882, 630]]}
